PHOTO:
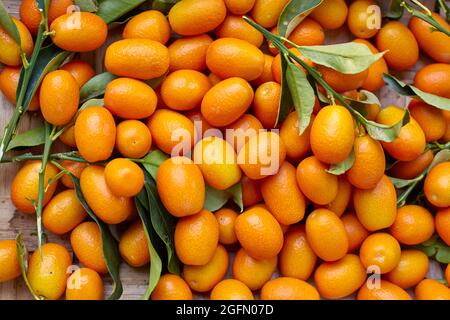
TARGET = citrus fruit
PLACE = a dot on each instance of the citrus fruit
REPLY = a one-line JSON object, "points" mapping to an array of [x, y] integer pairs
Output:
{"points": [[81, 71], [203, 278], [133, 139], [231, 289], [437, 185], [266, 103], [130, 99], [430, 119], [171, 287], [433, 78], [25, 186], [411, 269], [380, 250], [259, 233], [297, 145], [87, 244], [359, 17], [9, 80], [431, 289], [9, 261], [9, 49], [236, 27], [266, 12], [47, 271], [79, 32], [59, 97], [285, 288], [413, 225], [124, 177], [251, 193], [108, 207], [181, 186], [95, 133], [84, 284], [322, 14], [189, 53], [239, 132], [412, 169], [374, 80], [356, 232], [150, 24], [226, 219], [133, 246], [63, 213], [196, 238], [442, 223], [239, 7], [384, 291]]}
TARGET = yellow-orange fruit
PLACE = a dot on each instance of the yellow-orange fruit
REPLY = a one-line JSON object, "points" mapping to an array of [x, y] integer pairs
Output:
{"points": [[108, 207], [267, 75], [221, 59], [254, 273], [413, 225], [189, 53], [297, 259], [239, 132], [308, 33], [25, 186], [227, 101], [437, 185], [435, 43], [259, 233], [9, 49], [360, 17], [124, 177], [63, 213], [184, 89], [332, 126], [133, 245], [356, 232], [192, 17], [142, 59], [266, 103], [315, 182], [9, 80], [285, 288], [196, 238], [399, 40], [9, 261], [239, 7], [231, 289], [342, 82], [376, 208], [80, 70], [266, 12], [68, 137], [73, 167], [59, 97], [217, 161], [133, 139], [282, 195], [334, 21], [79, 32], [326, 235], [172, 132], [95, 134], [181, 186], [380, 250], [442, 222], [433, 78], [226, 219], [84, 284], [369, 164], [262, 155], [411, 169], [87, 244], [130, 99], [431, 289], [339, 279], [374, 80], [47, 271], [344, 194], [171, 287], [384, 291], [411, 269], [251, 193], [297, 145], [236, 27], [203, 278], [151, 24], [410, 143], [429, 118]]}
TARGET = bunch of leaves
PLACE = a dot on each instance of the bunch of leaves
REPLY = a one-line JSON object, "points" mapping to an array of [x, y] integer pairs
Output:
{"points": [[437, 249]]}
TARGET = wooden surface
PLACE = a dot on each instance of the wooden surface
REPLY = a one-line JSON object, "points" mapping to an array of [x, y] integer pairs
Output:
{"points": [[12, 222]]}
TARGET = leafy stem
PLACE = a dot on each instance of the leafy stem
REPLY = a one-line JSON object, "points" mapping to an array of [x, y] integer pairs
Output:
{"points": [[425, 16]]}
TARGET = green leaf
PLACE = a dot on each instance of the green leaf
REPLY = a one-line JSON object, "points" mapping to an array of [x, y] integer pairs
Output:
{"points": [[163, 223], [163, 5], [403, 183], [216, 199], [30, 138], [293, 14], [443, 254], [286, 102], [436, 248], [409, 90], [383, 132], [344, 166], [96, 86], [87, 5], [23, 263], [348, 58], [7, 23], [440, 157], [395, 10], [110, 246], [155, 260], [111, 10], [435, 25], [302, 95], [155, 82], [49, 59], [152, 162]]}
